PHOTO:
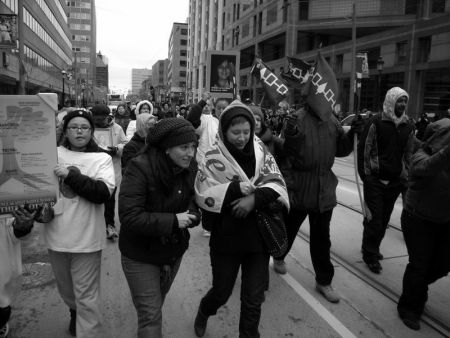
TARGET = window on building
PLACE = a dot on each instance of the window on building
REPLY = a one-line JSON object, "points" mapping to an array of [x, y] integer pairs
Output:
{"points": [[245, 29], [183, 52], [204, 77], [438, 6], [234, 12], [273, 48], [238, 9], [183, 42], [272, 13], [401, 52], [339, 63], [247, 56], [303, 9], [223, 20], [305, 42], [259, 22], [254, 25], [411, 6], [182, 73], [183, 63], [423, 52], [184, 31]]}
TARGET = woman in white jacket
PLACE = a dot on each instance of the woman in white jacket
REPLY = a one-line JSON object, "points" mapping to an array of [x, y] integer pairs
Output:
{"points": [[76, 236], [143, 106]]}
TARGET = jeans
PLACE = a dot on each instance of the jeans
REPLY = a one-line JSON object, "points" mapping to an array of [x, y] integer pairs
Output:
{"points": [[110, 206], [380, 200], [428, 247], [225, 268], [5, 314], [319, 243], [149, 285], [78, 280]]}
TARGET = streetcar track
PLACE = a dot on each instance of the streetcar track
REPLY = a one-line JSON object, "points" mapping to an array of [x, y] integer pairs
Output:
{"points": [[385, 290]]}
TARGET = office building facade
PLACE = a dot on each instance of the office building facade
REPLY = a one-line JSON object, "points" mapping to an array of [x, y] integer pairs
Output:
{"points": [[82, 23], [47, 49], [407, 42], [177, 67], [159, 79], [138, 75]]}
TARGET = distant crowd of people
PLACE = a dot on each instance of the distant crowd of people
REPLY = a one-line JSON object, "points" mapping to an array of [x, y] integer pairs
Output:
{"points": [[236, 169]]}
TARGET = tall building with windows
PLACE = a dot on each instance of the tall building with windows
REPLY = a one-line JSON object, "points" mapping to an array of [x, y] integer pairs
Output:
{"points": [[82, 23], [138, 75], [407, 43], [101, 87], [159, 79], [47, 48], [176, 73]]}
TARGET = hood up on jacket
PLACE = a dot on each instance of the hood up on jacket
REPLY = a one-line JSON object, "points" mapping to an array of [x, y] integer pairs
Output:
{"points": [[391, 98], [437, 136], [141, 123], [235, 108], [138, 107]]}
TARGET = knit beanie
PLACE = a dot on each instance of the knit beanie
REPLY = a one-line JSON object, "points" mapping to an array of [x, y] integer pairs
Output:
{"points": [[235, 108], [171, 132], [100, 110], [78, 113]]}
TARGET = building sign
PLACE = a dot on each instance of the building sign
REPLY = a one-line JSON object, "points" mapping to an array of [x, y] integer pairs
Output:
{"points": [[8, 31]]}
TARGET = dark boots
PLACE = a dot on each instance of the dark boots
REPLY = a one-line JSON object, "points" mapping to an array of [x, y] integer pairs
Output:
{"points": [[72, 324], [200, 324]]}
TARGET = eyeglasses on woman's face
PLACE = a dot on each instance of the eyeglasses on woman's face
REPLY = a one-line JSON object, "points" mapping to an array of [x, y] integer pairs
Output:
{"points": [[75, 129]]}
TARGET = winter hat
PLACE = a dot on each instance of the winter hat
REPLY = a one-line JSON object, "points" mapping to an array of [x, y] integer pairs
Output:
{"points": [[171, 132], [195, 114], [235, 108], [78, 113], [139, 105], [256, 110], [100, 110]]}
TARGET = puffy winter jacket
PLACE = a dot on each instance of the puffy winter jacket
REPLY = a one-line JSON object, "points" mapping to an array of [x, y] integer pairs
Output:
{"points": [[152, 192]]}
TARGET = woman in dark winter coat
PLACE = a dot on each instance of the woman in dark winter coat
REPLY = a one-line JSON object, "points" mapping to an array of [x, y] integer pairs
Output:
{"points": [[156, 192], [122, 116], [426, 221], [144, 122], [237, 176]]}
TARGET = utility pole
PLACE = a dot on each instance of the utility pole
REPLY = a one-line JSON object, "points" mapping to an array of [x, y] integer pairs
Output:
{"points": [[21, 88], [353, 67]]}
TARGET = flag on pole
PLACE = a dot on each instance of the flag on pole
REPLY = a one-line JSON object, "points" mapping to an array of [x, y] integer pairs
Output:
{"points": [[323, 89], [275, 88], [298, 73]]}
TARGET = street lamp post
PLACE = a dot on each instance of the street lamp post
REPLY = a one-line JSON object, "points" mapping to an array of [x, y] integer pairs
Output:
{"points": [[63, 72], [380, 64]]}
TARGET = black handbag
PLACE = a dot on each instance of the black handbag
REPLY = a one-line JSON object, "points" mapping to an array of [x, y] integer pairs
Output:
{"points": [[272, 228]]}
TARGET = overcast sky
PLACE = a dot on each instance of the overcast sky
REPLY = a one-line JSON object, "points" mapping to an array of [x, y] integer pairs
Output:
{"points": [[135, 34]]}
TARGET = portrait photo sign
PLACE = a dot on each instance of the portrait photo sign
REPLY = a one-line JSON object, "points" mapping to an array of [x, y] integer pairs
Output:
{"points": [[8, 31], [28, 152], [222, 73]]}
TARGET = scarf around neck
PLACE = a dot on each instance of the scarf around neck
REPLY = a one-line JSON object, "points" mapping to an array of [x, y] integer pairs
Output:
{"points": [[219, 168]]}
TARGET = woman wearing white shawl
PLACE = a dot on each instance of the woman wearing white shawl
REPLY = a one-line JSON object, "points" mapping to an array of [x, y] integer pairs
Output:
{"points": [[237, 176]]}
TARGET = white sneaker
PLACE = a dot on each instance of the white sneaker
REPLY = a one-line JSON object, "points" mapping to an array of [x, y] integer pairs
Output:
{"points": [[206, 233], [328, 292], [4, 331]]}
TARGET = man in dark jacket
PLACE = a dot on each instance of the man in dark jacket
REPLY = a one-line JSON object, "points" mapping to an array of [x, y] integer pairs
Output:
{"points": [[384, 153], [426, 221], [311, 144]]}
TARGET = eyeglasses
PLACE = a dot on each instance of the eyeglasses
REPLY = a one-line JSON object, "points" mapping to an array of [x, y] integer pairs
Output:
{"points": [[74, 129]]}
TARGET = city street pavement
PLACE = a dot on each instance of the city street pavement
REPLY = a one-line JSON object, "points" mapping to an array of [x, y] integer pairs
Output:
{"points": [[292, 308]]}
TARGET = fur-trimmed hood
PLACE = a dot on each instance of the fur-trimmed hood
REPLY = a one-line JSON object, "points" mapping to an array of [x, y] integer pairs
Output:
{"points": [[391, 98]]}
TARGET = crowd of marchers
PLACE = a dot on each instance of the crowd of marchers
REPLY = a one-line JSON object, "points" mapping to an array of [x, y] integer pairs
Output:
{"points": [[220, 164]]}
